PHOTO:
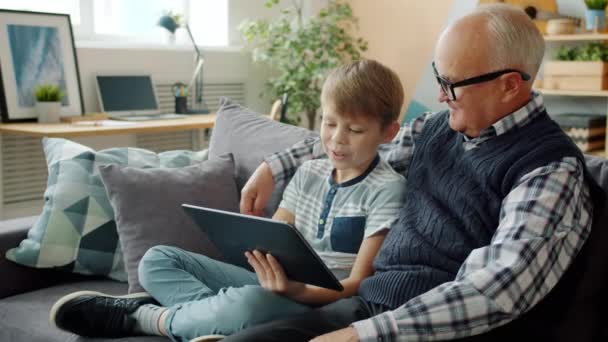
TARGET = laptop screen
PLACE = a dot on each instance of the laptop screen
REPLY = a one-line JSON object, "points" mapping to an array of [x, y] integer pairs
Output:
{"points": [[126, 93]]}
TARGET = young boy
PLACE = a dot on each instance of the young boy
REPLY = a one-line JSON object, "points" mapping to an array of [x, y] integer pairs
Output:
{"points": [[343, 205]]}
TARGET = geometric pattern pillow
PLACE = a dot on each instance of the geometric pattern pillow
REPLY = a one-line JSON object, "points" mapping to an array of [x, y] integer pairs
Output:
{"points": [[76, 230]]}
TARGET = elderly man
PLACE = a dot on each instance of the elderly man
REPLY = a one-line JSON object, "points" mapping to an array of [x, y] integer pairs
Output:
{"points": [[498, 201]]}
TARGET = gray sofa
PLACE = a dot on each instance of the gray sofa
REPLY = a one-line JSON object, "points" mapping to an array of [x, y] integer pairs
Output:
{"points": [[26, 294]]}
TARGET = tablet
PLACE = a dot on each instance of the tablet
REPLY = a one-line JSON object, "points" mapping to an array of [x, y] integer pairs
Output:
{"points": [[233, 234]]}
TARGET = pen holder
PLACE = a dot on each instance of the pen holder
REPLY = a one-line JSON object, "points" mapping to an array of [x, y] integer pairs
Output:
{"points": [[181, 104]]}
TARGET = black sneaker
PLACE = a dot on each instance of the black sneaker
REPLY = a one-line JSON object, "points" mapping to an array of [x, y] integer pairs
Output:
{"points": [[96, 314]]}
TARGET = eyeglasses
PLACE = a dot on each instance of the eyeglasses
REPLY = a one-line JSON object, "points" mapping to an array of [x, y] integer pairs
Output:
{"points": [[448, 87]]}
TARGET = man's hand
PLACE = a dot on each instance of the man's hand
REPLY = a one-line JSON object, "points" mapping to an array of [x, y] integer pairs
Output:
{"points": [[257, 191], [271, 274], [343, 335]]}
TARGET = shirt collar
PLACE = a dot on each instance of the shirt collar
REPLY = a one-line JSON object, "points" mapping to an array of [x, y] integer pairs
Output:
{"points": [[518, 118]]}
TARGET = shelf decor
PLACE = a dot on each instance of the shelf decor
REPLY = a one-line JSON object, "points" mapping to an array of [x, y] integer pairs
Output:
{"points": [[575, 75], [38, 49], [588, 131], [578, 68]]}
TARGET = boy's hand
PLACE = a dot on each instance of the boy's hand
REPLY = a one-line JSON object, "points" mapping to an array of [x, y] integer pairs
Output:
{"points": [[271, 274], [257, 191]]}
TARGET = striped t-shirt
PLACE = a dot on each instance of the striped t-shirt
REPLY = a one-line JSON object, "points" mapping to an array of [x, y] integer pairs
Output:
{"points": [[335, 218]]}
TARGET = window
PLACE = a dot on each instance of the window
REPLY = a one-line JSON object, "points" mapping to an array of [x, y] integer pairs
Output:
{"points": [[71, 7], [135, 21]]}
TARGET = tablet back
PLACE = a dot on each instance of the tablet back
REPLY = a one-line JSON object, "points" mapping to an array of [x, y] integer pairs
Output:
{"points": [[233, 234]]}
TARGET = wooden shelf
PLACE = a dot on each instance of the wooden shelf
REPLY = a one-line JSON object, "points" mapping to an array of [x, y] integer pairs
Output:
{"points": [[595, 93], [576, 36], [599, 153], [68, 130]]}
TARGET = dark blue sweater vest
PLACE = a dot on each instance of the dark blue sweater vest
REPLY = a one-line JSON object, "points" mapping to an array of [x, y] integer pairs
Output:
{"points": [[452, 203]]}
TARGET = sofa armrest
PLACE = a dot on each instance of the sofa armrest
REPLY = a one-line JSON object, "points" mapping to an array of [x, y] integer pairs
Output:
{"points": [[20, 279]]}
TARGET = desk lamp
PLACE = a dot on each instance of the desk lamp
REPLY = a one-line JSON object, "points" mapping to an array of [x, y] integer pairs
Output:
{"points": [[170, 25]]}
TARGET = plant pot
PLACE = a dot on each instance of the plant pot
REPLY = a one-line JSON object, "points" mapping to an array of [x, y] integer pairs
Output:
{"points": [[595, 20], [48, 112]]}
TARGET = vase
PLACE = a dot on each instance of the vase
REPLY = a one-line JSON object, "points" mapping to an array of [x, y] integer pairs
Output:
{"points": [[48, 112], [595, 20]]}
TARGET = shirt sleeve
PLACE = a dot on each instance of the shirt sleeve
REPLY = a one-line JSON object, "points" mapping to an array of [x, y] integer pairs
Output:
{"points": [[384, 206], [397, 153], [293, 190], [544, 222]]}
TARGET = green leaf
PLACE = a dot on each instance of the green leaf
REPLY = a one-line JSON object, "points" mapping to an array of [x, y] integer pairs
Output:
{"points": [[301, 53], [48, 93]]}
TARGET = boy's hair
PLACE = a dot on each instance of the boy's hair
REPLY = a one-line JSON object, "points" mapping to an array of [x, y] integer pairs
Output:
{"points": [[365, 88]]}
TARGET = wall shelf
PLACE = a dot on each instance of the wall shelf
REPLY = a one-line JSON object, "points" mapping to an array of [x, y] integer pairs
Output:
{"points": [[576, 37], [560, 92], [600, 153]]}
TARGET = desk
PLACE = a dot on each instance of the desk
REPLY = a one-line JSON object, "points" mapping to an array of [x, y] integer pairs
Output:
{"points": [[23, 174], [68, 130]]}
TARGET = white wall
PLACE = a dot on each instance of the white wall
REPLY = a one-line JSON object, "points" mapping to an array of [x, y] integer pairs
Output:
{"points": [[402, 35], [168, 63]]}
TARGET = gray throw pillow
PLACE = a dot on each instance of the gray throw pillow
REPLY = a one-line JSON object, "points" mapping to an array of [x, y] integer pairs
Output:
{"points": [[250, 137], [147, 206], [76, 231]]}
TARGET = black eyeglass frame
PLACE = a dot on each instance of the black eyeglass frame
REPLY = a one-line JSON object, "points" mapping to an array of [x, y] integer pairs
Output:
{"points": [[448, 87]]}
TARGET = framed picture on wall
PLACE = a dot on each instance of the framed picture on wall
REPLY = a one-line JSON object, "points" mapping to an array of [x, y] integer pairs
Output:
{"points": [[36, 48]]}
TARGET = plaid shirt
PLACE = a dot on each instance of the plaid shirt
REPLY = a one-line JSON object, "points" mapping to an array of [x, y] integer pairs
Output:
{"points": [[544, 222]]}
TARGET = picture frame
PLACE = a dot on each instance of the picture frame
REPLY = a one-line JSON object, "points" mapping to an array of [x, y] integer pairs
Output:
{"points": [[37, 48]]}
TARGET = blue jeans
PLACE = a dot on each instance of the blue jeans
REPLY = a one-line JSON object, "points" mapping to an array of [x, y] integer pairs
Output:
{"points": [[205, 296]]}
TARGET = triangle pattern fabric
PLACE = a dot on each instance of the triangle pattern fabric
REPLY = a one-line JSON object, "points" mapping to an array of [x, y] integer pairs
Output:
{"points": [[76, 213]]}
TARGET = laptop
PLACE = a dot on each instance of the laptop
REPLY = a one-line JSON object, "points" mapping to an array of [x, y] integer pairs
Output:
{"points": [[233, 234], [130, 97]]}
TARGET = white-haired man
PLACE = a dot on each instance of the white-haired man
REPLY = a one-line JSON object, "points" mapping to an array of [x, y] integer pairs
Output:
{"points": [[498, 201]]}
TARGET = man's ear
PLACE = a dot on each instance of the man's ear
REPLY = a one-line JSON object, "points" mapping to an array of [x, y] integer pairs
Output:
{"points": [[512, 84], [390, 131]]}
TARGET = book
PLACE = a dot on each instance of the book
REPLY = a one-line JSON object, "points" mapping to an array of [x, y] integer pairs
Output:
{"points": [[580, 120]]}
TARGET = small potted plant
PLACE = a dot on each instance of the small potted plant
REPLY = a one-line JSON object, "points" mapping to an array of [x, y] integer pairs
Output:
{"points": [[48, 102], [595, 16], [582, 67]]}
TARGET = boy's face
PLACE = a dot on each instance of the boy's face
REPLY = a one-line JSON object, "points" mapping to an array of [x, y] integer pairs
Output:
{"points": [[351, 141]]}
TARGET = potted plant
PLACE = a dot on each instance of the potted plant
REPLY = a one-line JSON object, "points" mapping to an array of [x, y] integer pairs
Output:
{"points": [[595, 15], [578, 68], [301, 51], [48, 102]]}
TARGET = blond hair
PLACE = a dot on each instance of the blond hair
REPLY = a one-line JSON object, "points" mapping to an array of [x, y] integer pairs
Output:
{"points": [[365, 88]]}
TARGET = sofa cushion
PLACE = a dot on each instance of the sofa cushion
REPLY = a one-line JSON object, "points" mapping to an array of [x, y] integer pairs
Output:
{"points": [[26, 317], [147, 203], [76, 229], [250, 137]]}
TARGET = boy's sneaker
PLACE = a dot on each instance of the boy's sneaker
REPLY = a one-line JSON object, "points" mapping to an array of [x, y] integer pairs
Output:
{"points": [[208, 338], [96, 314]]}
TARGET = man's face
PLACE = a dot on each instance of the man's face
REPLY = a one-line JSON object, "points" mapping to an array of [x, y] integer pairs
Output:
{"points": [[473, 104], [462, 54]]}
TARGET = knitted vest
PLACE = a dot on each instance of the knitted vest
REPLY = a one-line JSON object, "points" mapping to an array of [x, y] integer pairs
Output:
{"points": [[452, 203]]}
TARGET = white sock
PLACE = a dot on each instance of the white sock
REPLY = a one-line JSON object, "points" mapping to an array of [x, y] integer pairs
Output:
{"points": [[146, 319]]}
